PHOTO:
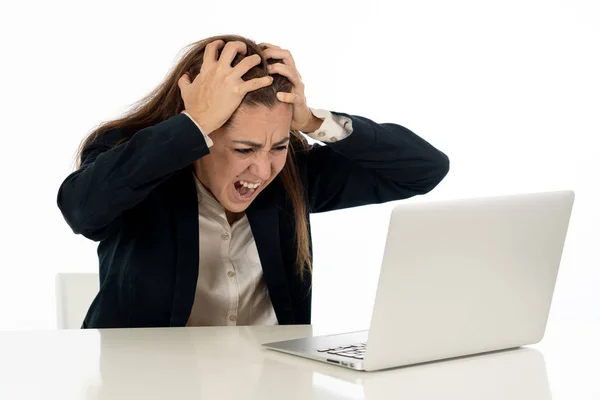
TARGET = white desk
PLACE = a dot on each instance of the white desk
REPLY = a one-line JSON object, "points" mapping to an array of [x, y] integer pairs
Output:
{"points": [[228, 363]]}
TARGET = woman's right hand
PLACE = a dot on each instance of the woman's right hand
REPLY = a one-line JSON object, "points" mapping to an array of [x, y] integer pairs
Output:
{"points": [[218, 89]]}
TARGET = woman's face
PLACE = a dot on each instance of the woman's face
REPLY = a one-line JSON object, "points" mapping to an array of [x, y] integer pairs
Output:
{"points": [[252, 151]]}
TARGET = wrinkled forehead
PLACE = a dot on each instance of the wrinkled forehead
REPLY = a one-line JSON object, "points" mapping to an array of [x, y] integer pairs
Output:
{"points": [[260, 124]]}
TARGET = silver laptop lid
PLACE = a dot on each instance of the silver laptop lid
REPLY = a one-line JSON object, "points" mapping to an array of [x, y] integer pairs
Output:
{"points": [[467, 276]]}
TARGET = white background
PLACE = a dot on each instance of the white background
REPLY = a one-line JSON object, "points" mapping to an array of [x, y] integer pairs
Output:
{"points": [[509, 90]]}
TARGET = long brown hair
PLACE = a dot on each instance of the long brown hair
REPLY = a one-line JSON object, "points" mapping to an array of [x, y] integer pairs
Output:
{"points": [[165, 102]]}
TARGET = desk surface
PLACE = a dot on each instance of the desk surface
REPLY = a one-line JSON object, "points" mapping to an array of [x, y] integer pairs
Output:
{"points": [[228, 363]]}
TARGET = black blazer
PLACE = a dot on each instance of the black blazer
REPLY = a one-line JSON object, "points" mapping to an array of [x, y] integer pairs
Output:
{"points": [[138, 200]]}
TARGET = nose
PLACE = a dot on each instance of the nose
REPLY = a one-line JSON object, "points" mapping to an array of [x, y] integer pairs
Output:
{"points": [[261, 167]]}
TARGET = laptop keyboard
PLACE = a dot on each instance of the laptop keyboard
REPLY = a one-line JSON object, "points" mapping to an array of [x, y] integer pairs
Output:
{"points": [[356, 351]]}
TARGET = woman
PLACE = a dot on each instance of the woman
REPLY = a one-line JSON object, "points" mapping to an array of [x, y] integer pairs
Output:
{"points": [[200, 196]]}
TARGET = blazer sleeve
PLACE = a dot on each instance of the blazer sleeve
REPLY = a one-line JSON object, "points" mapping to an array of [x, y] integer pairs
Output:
{"points": [[375, 164], [114, 178]]}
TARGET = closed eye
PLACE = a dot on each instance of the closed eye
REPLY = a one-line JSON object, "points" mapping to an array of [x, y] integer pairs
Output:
{"points": [[248, 151], [244, 151]]}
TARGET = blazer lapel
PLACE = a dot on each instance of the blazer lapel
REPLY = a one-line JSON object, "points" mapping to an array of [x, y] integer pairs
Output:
{"points": [[263, 217]]}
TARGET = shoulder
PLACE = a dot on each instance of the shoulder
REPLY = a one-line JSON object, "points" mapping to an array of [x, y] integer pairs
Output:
{"points": [[103, 140], [110, 137]]}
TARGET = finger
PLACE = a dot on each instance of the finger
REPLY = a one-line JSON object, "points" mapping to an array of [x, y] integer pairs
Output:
{"points": [[265, 45], [288, 97], [281, 54], [287, 71], [210, 52], [256, 83], [184, 81], [248, 62], [230, 51]]}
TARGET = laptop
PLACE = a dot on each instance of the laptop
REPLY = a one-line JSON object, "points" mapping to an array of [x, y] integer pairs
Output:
{"points": [[458, 277]]}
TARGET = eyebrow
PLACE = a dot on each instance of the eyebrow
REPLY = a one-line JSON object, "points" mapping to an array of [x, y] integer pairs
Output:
{"points": [[259, 145]]}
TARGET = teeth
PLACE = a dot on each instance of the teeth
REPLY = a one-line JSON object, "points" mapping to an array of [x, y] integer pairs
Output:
{"points": [[249, 185]]}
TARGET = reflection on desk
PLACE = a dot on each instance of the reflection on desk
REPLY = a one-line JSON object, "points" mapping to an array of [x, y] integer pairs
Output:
{"points": [[511, 374], [229, 363]]}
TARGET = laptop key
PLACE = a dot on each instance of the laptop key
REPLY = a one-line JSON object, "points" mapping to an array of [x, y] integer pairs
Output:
{"points": [[336, 352], [346, 354], [337, 348], [343, 349]]}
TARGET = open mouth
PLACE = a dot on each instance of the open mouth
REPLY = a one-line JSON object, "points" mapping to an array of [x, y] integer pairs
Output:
{"points": [[246, 190]]}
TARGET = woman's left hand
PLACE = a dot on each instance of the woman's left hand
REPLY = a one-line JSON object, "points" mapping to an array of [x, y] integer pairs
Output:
{"points": [[303, 119]]}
